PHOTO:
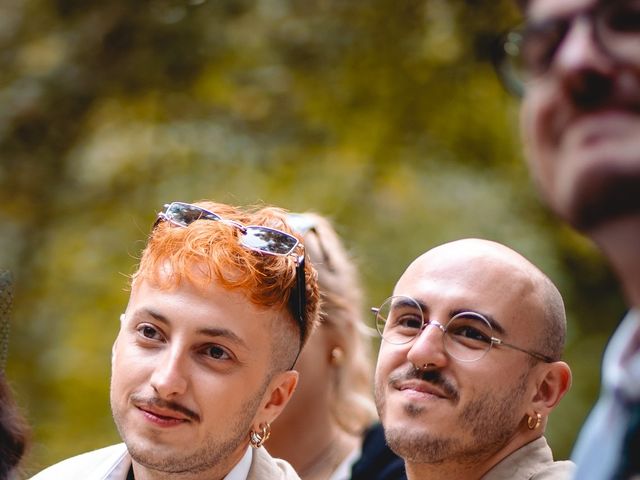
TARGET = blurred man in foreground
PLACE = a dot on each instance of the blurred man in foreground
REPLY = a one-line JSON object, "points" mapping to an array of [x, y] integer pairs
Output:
{"points": [[578, 64], [469, 366], [219, 309]]}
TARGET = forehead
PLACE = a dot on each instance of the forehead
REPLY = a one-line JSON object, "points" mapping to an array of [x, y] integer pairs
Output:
{"points": [[540, 9], [191, 309], [483, 283]]}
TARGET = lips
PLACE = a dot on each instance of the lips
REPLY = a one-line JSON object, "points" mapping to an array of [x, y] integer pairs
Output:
{"points": [[589, 129], [420, 387], [162, 415]]}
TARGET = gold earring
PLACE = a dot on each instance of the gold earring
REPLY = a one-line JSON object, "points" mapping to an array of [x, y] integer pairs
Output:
{"points": [[534, 422], [336, 356], [258, 439]]}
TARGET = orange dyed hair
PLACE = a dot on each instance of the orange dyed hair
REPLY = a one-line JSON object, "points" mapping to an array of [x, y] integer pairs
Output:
{"points": [[209, 251]]}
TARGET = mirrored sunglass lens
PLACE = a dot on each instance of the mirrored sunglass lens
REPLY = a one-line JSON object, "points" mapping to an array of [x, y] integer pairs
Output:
{"points": [[185, 214], [268, 240], [399, 319], [468, 336]]}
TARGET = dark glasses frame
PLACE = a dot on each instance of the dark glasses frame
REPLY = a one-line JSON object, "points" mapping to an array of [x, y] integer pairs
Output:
{"points": [[261, 239], [514, 67]]}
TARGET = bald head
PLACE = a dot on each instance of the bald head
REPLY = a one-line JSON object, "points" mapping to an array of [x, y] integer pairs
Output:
{"points": [[502, 280]]}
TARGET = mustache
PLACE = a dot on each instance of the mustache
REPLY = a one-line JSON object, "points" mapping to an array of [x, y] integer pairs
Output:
{"points": [[434, 377], [592, 92], [142, 401]]}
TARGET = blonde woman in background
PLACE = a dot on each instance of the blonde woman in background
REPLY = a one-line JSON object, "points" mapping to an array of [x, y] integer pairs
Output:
{"points": [[322, 429]]}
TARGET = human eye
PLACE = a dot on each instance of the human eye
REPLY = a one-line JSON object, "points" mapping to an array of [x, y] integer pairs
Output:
{"points": [[622, 17], [406, 320], [469, 331], [540, 42], [148, 332], [216, 352]]}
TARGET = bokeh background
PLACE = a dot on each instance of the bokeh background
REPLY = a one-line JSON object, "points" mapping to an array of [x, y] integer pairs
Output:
{"points": [[384, 115]]}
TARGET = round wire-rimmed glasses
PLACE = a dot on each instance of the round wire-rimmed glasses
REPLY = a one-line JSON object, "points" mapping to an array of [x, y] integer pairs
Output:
{"points": [[467, 336]]}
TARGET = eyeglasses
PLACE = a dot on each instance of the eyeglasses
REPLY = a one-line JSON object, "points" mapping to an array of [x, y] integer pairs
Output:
{"points": [[467, 337], [258, 238], [528, 51]]}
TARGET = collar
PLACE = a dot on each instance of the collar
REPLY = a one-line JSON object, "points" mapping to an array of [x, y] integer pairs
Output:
{"points": [[621, 364], [241, 470]]}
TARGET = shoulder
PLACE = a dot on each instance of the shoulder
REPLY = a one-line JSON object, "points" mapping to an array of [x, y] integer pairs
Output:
{"points": [[265, 467], [533, 461], [377, 461], [559, 470], [98, 464]]}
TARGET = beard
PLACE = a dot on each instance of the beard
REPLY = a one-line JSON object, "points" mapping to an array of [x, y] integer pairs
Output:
{"points": [[607, 199], [214, 451], [489, 420]]}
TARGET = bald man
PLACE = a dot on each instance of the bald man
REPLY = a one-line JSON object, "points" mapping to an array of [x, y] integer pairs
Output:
{"points": [[469, 366]]}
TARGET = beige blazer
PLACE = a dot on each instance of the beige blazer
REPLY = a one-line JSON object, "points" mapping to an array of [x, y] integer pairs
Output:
{"points": [[265, 467], [534, 461], [112, 463]]}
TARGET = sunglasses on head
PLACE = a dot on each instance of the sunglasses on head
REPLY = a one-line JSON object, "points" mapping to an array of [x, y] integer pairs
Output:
{"points": [[261, 239]]}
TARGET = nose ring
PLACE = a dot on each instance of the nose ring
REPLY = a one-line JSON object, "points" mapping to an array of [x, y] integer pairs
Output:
{"points": [[424, 366]]}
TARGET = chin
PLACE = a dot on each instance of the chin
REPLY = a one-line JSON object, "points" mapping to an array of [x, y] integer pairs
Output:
{"points": [[606, 195]]}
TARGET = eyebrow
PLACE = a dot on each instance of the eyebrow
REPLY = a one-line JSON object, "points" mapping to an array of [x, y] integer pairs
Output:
{"points": [[492, 321], [495, 325], [208, 331]]}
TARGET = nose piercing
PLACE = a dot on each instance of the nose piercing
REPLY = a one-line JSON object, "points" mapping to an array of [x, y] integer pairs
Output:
{"points": [[424, 366]]}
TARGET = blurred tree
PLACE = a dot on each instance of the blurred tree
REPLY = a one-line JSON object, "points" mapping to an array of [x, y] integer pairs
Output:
{"points": [[382, 114]]}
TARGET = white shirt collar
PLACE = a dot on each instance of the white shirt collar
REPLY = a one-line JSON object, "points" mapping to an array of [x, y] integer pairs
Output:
{"points": [[241, 470]]}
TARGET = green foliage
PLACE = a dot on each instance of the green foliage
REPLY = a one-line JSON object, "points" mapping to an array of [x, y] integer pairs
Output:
{"points": [[384, 115]]}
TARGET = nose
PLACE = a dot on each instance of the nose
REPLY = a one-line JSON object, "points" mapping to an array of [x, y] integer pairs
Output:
{"points": [[428, 347], [584, 68], [169, 377], [580, 47]]}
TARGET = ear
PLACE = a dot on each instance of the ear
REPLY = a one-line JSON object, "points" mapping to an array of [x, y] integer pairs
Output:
{"points": [[552, 383], [281, 389]]}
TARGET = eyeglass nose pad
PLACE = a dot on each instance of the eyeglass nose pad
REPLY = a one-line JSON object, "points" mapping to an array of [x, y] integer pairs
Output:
{"points": [[434, 323], [428, 348]]}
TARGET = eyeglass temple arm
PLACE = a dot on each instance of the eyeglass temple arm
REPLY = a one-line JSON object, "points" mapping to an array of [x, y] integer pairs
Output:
{"points": [[539, 356], [302, 302]]}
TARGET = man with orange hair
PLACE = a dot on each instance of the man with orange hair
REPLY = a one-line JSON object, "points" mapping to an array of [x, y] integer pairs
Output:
{"points": [[220, 307]]}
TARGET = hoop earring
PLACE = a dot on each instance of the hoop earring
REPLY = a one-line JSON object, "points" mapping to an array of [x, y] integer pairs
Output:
{"points": [[534, 422], [258, 439]]}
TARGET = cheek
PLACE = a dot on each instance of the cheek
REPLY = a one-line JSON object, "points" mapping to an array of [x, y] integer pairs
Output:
{"points": [[538, 141], [389, 358], [128, 368]]}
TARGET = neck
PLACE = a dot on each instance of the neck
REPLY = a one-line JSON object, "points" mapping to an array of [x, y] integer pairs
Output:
{"points": [[218, 472], [470, 468], [620, 242], [313, 452]]}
